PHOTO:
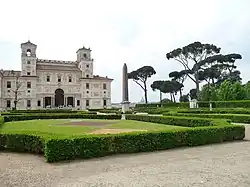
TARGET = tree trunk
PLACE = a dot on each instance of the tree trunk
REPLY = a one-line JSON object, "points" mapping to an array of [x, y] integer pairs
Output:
{"points": [[171, 97], [213, 81], [160, 97], [180, 93], [146, 97], [197, 84], [15, 103]]}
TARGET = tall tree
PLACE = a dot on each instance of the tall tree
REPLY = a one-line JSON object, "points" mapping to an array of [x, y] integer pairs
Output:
{"points": [[171, 87], [156, 85], [180, 77], [190, 56], [220, 68], [140, 77], [231, 91]]}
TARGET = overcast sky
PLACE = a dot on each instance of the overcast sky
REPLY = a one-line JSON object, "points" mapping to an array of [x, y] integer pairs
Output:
{"points": [[138, 32]]}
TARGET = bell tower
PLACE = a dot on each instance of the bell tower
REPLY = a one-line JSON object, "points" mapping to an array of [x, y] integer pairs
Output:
{"points": [[85, 63], [28, 59]]}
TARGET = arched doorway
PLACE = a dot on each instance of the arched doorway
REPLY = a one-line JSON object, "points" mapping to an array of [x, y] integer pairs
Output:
{"points": [[59, 97]]}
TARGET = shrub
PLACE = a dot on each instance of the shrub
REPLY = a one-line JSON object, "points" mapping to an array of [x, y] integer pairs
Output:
{"points": [[60, 149], [149, 105], [217, 111], [237, 118], [152, 110], [202, 104], [173, 120], [21, 142], [1, 121], [59, 116], [44, 111]]}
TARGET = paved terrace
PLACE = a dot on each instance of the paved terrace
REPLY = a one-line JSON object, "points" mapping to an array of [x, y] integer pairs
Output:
{"points": [[226, 164]]}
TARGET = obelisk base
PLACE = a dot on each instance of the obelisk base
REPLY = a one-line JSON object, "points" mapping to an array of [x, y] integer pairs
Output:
{"points": [[125, 108]]}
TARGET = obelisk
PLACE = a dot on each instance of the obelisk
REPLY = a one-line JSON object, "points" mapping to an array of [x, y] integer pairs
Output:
{"points": [[125, 99]]}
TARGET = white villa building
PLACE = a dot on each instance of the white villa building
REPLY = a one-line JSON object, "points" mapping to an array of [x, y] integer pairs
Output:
{"points": [[53, 83]]}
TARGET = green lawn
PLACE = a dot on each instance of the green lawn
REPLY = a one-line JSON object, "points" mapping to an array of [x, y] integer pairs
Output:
{"points": [[57, 127]]}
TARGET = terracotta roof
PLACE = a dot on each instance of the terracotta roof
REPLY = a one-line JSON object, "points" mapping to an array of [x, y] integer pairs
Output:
{"points": [[28, 42]]}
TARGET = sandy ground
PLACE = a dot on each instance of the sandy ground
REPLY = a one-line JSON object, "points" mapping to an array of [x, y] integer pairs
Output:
{"points": [[215, 165], [115, 131]]}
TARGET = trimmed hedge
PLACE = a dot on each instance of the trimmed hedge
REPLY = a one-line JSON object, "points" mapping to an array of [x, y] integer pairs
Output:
{"points": [[98, 146], [152, 110], [217, 111], [22, 142], [59, 148], [180, 105], [202, 104], [237, 118], [44, 111], [59, 116], [169, 120], [226, 104], [1, 121]]}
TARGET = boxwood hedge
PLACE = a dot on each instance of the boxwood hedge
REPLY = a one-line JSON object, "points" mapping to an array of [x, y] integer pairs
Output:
{"points": [[237, 118], [59, 148]]}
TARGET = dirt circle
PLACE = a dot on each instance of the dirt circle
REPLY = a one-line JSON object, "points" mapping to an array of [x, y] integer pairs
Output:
{"points": [[115, 131]]}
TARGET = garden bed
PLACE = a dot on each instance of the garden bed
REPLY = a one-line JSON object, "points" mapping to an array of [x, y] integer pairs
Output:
{"points": [[59, 142]]}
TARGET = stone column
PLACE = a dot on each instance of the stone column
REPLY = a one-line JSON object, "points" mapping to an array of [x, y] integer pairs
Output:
{"points": [[52, 102], [41, 102], [125, 98]]}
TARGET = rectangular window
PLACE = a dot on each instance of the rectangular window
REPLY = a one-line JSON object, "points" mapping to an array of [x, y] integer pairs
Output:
{"points": [[8, 84], [59, 79], [87, 85], [104, 102], [28, 84], [28, 73], [28, 103], [8, 103], [70, 79], [78, 102], [87, 66], [28, 62], [38, 103], [104, 86], [87, 76], [48, 78], [87, 102]]}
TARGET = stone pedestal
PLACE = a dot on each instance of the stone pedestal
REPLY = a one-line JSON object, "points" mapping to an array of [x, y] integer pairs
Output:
{"points": [[210, 106], [125, 108]]}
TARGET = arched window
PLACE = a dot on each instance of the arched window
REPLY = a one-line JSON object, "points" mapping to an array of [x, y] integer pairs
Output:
{"points": [[85, 55], [28, 52]]}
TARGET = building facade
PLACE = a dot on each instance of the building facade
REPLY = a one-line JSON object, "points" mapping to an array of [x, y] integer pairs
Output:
{"points": [[54, 84]]}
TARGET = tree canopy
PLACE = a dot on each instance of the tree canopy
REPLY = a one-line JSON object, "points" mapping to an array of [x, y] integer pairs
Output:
{"points": [[140, 77], [203, 62]]}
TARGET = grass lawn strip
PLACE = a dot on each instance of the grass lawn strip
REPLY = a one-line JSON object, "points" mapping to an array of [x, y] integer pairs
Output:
{"points": [[63, 127]]}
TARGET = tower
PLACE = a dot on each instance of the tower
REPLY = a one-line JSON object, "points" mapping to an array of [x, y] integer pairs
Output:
{"points": [[28, 59], [85, 63]]}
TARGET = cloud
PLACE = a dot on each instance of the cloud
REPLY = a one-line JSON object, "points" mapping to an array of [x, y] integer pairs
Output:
{"points": [[136, 32]]}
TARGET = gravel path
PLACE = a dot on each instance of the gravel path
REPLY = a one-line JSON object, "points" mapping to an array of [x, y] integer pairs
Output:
{"points": [[221, 165]]}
